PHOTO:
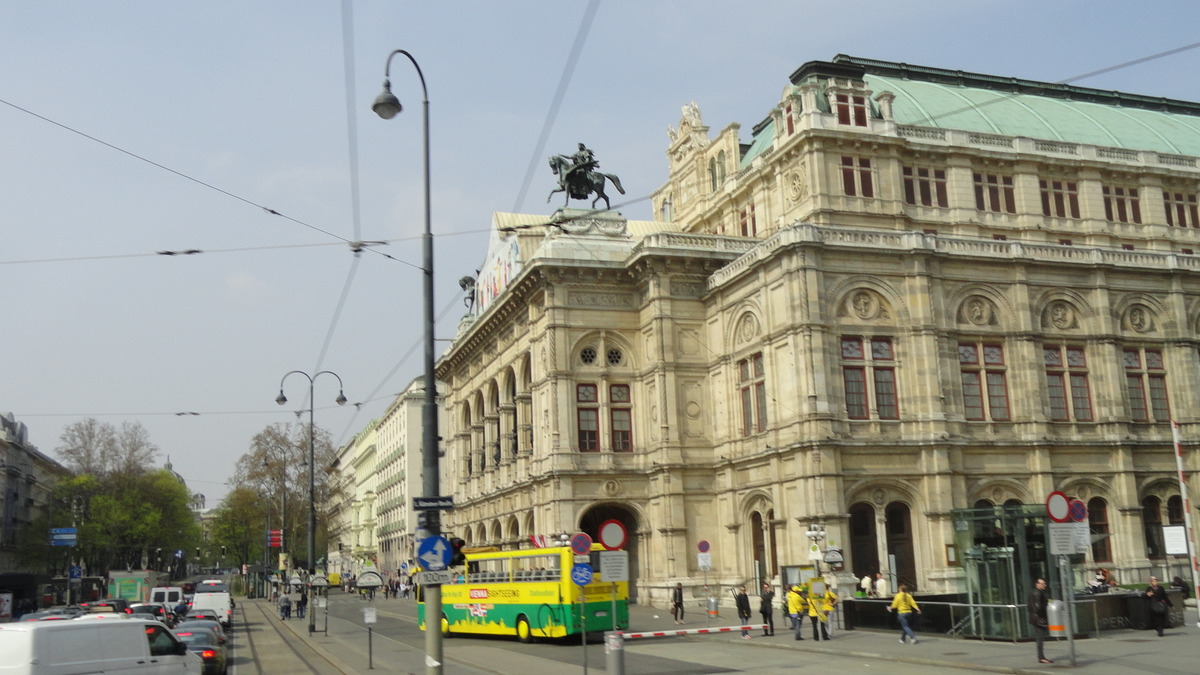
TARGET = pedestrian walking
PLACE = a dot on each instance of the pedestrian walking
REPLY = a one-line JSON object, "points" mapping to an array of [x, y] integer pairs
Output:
{"points": [[677, 603], [1038, 599], [1160, 605], [301, 605], [285, 607], [904, 605], [819, 608], [766, 608], [797, 609], [742, 602]]}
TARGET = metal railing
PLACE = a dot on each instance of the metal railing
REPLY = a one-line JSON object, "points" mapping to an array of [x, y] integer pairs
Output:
{"points": [[968, 620]]}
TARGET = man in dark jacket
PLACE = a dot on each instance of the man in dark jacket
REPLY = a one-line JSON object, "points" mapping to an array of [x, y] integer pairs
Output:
{"points": [[742, 601], [1160, 605], [1037, 618], [767, 609]]}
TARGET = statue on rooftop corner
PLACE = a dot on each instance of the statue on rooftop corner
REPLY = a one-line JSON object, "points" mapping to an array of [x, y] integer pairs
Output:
{"points": [[578, 178]]}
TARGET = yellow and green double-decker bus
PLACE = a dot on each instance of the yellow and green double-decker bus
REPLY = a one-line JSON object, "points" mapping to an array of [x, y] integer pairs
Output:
{"points": [[529, 593]]}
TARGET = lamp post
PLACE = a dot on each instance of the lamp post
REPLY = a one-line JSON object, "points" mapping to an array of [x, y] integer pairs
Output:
{"points": [[388, 106], [312, 490]]}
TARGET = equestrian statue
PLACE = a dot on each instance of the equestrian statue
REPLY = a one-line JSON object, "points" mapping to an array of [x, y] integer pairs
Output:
{"points": [[578, 178]]}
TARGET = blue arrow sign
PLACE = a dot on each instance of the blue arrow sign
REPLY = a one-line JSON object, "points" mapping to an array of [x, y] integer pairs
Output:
{"points": [[63, 530], [581, 574], [434, 553]]}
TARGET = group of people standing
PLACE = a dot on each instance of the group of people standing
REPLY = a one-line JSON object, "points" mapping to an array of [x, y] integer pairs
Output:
{"points": [[285, 605]]}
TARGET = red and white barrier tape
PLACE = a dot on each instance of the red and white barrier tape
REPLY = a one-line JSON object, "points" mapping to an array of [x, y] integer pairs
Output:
{"points": [[691, 631]]}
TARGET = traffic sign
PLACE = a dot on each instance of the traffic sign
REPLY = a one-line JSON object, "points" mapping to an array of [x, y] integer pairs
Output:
{"points": [[1079, 511], [614, 566], [436, 578], [434, 553], [703, 546], [704, 561], [1058, 507], [613, 535], [369, 579], [63, 530], [404, 567], [76, 572], [581, 543], [581, 574]]}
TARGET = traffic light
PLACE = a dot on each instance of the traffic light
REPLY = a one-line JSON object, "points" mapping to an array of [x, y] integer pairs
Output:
{"points": [[222, 551], [197, 551], [457, 557]]}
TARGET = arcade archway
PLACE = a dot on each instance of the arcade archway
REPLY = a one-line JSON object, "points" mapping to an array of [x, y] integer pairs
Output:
{"points": [[596, 515]]}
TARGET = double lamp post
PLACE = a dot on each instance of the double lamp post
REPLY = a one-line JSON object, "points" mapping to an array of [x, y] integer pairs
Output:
{"points": [[312, 492]]}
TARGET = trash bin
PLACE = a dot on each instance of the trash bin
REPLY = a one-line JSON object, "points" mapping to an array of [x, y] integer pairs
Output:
{"points": [[712, 607], [1056, 618]]}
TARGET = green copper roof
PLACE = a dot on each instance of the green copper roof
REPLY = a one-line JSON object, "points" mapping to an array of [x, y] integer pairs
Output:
{"points": [[950, 106]]}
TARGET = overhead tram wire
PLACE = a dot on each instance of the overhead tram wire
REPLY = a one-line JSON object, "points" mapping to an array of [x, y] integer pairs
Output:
{"points": [[185, 176], [564, 80], [1069, 80]]}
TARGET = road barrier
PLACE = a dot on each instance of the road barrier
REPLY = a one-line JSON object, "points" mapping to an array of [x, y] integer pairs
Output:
{"points": [[614, 642]]}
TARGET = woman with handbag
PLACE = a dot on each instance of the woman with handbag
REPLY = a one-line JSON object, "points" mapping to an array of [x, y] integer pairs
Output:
{"points": [[1160, 605]]}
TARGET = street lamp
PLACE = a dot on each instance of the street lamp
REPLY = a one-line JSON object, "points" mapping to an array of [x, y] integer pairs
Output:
{"points": [[312, 491], [388, 106]]}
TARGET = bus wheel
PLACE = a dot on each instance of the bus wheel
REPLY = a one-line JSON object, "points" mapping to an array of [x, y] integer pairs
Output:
{"points": [[446, 627], [524, 633]]}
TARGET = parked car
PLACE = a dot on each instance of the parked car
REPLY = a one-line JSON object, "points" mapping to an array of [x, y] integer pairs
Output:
{"points": [[204, 643], [204, 624]]}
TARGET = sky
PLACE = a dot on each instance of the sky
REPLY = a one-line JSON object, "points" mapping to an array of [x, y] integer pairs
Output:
{"points": [[243, 130]]}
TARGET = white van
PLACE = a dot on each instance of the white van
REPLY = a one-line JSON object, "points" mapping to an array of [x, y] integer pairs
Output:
{"points": [[116, 646], [221, 603], [169, 595]]}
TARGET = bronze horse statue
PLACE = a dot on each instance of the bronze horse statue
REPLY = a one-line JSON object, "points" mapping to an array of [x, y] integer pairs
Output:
{"points": [[580, 184]]}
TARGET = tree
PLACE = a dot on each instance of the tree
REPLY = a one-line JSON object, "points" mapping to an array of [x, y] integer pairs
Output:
{"points": [[276, 467], [97, 448], [239, 524]]}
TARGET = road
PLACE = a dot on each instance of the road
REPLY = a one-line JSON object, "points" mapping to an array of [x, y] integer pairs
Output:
{"points": [[264, 644]]}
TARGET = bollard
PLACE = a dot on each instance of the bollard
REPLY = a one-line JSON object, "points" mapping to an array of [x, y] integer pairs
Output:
{"points": [[614, 653]]}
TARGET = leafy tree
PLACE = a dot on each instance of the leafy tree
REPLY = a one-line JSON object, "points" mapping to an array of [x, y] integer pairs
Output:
{"points": [[276, 468], [239, 524]]}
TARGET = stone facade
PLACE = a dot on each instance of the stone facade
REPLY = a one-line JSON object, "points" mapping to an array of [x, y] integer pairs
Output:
{"points": [[866, 318], [28, 477]]}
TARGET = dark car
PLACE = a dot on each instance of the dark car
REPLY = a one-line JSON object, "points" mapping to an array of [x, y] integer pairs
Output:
{"points": [[203, 642], [117, 605], [154, 610], [204, 624]]}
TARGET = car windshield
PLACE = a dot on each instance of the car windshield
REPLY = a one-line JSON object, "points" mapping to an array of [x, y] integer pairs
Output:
{"points": [[147, 609]]}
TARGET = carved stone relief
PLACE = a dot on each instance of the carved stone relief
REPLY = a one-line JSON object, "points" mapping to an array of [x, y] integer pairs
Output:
{"points": [[797, 183], [865, 305], [1060, 315], [977, 311], [1139, 319]]}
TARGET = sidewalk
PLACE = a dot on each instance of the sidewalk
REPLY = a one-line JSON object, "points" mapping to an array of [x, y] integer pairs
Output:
{"points": [[1117, 652]]}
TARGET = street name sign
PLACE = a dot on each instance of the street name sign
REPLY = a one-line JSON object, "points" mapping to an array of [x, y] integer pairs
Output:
{"points": [[433, 503]]}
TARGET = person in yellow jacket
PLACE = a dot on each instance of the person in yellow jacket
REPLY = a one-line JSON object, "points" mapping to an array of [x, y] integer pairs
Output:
{"points": [[797, 607], [819, 608], [904, 605]]}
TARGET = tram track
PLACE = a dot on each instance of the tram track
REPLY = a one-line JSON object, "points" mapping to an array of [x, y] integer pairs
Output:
{"points": [[265, 658]]}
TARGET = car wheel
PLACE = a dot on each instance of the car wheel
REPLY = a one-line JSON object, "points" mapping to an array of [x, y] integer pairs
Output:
{"points": [[524, 632]]}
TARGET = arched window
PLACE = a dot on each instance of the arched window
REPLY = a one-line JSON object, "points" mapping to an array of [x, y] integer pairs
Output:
{"points": [[1175, 510], [712, 174], [1098, 521], [864, 553], [1152, 526]]}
